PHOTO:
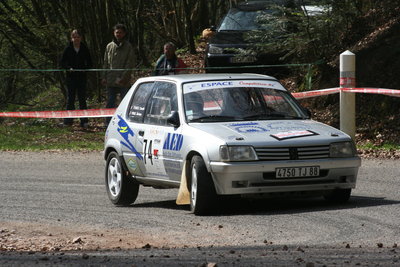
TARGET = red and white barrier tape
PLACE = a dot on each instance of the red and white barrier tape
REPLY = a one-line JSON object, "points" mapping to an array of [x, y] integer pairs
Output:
{"points": [[98, 113], [380, 91], [322, 92], [85, 113], [315, 93]]}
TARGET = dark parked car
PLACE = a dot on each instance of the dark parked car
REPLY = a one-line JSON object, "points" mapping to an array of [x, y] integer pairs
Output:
{"points": [[239, 42]]}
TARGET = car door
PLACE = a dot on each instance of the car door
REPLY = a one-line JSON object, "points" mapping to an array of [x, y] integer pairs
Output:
{"points": [[132, 148], [157, 138]]}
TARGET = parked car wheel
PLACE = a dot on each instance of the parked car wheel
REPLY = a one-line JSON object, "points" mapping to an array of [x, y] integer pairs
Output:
{"points": [[338, 195], [121, 189], [202, 190]]}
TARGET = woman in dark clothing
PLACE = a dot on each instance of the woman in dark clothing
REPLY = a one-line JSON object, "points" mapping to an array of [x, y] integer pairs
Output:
{"points": [[76, 56]]}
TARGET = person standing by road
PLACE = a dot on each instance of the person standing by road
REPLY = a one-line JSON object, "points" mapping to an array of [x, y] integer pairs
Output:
{"points": [[119, 54], [168, 63], [76, 56]]}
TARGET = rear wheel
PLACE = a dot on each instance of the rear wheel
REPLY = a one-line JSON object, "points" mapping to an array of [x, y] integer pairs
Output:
{"points": [[121, 188], [338, 195], [202, 191]]}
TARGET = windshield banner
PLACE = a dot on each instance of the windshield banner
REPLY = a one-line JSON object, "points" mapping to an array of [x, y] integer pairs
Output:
{"points": [[200, 86]]}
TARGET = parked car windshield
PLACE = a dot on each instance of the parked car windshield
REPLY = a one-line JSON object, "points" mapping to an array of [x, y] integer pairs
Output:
{"points": [[228, 101], [245, 20]]}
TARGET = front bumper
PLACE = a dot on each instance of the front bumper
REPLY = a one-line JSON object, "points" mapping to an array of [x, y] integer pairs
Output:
{"points": [[223, 63], [217, 63], [232, 178]]}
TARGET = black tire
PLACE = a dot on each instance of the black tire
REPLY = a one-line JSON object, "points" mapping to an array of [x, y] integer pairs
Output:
{"points": [[338, 196], [202, 191], [122, 190]]}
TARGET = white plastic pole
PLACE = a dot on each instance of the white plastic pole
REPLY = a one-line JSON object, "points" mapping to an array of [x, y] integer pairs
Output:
{"points": [[348, 100]]}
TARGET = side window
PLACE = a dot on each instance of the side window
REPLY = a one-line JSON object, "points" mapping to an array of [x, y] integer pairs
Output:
{"points": [[161, 103], [138, 103]]}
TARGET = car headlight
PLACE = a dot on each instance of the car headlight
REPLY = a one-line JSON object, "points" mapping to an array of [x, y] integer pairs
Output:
{"points": [[237, 153], [342, 150], [212, 49]]}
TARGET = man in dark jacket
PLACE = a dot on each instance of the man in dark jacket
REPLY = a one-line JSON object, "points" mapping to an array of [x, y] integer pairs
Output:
{"points": [[76, 56], [169, 63]]}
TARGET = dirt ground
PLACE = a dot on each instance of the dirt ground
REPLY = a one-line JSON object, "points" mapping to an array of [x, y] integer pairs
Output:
{"points": [[24, 236], [27, 244]]}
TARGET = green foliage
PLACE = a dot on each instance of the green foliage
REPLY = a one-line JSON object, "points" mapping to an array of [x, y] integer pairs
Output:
{"points": [[34, 33], [385, 146], [314, 30], [30, 40]]}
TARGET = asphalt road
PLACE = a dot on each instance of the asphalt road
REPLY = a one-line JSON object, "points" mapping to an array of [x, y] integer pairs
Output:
{"points": [[66, 189]]}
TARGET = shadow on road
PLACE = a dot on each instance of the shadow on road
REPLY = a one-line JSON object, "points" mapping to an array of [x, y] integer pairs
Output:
{"points": [[302, 205], [166, 204], [237, 206]]}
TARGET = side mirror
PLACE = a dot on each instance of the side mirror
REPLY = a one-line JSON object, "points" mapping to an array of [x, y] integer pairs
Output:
{"points": [[173, 119], [213, 28], [308, 113]]}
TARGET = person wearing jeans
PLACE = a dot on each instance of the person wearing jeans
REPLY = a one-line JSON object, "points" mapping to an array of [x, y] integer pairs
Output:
{"points": [[112, 93], [119, 54], [76, 56]]}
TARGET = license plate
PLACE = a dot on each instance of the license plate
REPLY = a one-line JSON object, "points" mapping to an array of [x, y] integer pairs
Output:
{"points": [[295, 172], [246, 59]]}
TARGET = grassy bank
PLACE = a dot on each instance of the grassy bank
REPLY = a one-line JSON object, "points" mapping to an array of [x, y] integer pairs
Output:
{"points": [[33, 135], [37, 135]]}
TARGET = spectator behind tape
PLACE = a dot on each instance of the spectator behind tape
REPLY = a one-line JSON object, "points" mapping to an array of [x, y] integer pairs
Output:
{"points": [[119, 54], [76, 56], [169, 63]]}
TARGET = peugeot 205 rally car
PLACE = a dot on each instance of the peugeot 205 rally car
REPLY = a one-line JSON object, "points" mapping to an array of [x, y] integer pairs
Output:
{"points": [[223, 134]]}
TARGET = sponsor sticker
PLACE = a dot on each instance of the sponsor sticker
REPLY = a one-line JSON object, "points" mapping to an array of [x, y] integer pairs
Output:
{"points": [[200, 86], [250, 127], [173, 142], [292, 134], [125, 131], [132, 164], [287, 126], [217, 84]]}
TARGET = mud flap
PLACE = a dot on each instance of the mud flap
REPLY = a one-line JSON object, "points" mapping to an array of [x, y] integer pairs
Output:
{"points": [[183, 197]]}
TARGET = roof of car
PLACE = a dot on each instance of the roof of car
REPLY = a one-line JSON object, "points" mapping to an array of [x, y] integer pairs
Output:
{"points": [[183, 78]]}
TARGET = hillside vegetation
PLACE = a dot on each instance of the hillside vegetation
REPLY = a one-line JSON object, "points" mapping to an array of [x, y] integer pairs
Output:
{"points": [[33, 34]]}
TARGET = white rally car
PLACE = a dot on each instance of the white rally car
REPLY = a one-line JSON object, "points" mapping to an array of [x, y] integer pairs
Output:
{"points": [[223, 134]]}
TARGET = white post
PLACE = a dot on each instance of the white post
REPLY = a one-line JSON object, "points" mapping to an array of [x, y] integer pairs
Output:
{"points": [[348, 100]]}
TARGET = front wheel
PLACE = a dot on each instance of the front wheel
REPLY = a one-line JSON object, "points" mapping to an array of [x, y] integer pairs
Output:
{"points": [[338, 196], [121, 189], [202, 191]]}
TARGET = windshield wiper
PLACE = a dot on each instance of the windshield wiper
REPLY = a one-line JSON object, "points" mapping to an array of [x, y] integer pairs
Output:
{"points": [[256, 117], [271, 116], [213, 118], [294, 117]]}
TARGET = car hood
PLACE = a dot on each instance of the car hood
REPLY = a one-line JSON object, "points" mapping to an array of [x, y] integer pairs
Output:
{"points": [[236, 38], [274, 133]]}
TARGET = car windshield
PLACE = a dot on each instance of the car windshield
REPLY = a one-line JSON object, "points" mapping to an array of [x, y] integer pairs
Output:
{"points": [[246, 20], [218, 101]]}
